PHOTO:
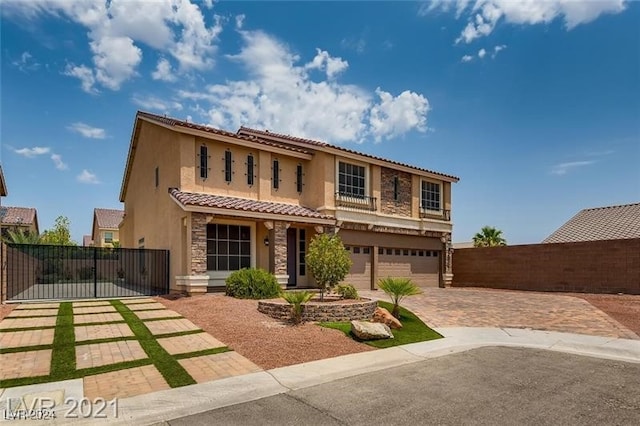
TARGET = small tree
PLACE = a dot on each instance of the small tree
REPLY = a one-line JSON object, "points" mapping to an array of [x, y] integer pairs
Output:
{"points": [[60, 234], [296, 299], [398, 289], [328, 261], [489, 237], [21, 237]]}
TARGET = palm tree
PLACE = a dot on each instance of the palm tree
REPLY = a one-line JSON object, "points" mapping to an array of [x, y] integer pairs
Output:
{"points": [[489, 237], [398, 289], [21, 237]]}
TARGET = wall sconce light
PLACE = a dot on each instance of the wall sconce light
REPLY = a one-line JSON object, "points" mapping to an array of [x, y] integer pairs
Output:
{"points": [[266, 241]]}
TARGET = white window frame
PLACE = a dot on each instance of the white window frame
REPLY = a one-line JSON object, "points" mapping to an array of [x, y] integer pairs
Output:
{"points": [[217, 275], [423, 201], [367, 174]]}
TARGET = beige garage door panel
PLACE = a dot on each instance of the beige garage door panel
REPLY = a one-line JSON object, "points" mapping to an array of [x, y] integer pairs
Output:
{"points": [[360, 274], [423, 271]]}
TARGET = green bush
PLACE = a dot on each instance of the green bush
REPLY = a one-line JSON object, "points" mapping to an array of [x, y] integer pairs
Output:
{"points": [[347, 291], [252, 284], [296, 299], [328, 261]]}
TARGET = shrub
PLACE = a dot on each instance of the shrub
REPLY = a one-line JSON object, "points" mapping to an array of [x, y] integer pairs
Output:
{"points": [[347, 291], [296, 299], [328, 261], [252, 284], [398, 289]]}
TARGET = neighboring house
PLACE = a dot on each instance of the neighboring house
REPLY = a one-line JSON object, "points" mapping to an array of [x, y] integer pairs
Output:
{"points": [[222, 201], [3, 185], [87, 241], [23, 219], [105, 227], [600, 223]]}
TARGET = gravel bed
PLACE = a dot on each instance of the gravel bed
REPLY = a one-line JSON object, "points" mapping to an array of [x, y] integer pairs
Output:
{"points": [[267, 342], [624, 308], [6, 309]]}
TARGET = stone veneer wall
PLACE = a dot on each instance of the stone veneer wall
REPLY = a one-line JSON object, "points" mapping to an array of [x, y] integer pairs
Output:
{"points": [[388, 205], [280, 248], [198, 244], [317, 311]]}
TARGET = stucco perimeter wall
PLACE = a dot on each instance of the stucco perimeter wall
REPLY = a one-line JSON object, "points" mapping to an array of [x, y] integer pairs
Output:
{"points": [[611, 266], [317, 311]]}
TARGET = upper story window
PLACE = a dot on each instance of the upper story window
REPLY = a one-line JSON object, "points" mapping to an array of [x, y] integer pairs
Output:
{"points": [[108, 237], [430, 196], [227, 166], [204, 162], [276, 174], [250, 169], [299, 178], [396, 188], [351, 179]]}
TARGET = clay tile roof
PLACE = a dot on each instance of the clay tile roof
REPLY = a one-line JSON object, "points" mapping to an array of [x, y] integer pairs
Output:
{"points": [[17, 215], [108, 218], [181, 123], [267, 134], [602, 223], [243, 204]]}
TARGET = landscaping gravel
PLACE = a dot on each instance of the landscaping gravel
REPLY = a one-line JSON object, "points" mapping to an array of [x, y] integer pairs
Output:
{"points": [[624, 308], [6, 310], [267, 342]]}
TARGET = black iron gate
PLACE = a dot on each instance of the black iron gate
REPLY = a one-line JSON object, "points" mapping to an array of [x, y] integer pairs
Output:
{"points": [[34, 272]]}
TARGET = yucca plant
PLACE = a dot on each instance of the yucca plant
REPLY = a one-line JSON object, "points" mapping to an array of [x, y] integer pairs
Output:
{"points": [[296, 299], [398, 289]]}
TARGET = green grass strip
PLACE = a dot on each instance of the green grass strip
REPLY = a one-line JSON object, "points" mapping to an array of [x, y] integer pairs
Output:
{"points": [[179, 333], [24, 349], [105, 340], [171, 370], [203, 352], [413, 329], [8, 330], [161, 319], [63, 357], [82, 324]]}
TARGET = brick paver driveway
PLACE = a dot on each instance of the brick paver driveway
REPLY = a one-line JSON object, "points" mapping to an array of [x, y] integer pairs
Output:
{"points": [[464, 307]]}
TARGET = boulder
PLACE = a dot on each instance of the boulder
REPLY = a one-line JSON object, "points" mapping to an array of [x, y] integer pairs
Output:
{"points": [[383, 316], [364, 330]]}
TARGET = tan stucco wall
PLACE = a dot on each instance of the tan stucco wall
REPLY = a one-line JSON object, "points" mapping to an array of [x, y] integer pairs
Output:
{"points": [[150, 213]]}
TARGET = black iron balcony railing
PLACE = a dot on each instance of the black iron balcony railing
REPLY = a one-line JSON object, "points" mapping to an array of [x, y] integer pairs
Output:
{"points": [[355, 201], [435, 214]]}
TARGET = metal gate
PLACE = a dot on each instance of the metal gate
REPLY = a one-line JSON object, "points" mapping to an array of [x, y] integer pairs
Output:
{"points": [[35, 272]]}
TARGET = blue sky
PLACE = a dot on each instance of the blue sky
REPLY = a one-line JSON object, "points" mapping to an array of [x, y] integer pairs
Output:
{"points": [[534, 105]]}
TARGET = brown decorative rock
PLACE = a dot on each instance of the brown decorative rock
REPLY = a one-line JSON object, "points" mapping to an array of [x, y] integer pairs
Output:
{"points": [[364, 330], [385, 317]]}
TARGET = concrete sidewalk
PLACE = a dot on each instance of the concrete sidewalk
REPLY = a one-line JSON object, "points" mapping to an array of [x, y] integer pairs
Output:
{"points": [[174, 403]]}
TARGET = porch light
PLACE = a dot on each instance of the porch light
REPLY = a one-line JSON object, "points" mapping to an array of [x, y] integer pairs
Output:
{"points": [[266, 241]]}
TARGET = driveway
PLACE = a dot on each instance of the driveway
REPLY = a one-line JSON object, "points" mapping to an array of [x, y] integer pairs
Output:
{"points": [[487, 386], [464, 307]]}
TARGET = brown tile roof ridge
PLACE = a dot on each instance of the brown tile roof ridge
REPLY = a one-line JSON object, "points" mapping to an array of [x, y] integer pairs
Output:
{"points": [[17, 215], [109, 218], [267, 133], [611, 207], [244, 204], [209, 129]]}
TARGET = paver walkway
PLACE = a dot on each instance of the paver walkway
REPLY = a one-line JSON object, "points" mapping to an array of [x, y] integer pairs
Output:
{"points": [[118, 357], [464, 307]]}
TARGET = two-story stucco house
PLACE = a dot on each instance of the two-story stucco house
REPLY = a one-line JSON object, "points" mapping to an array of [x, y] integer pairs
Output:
{"points": [[105, 230], [221, 201]]}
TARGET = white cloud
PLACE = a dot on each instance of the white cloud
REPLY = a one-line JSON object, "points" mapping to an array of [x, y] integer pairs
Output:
{"points": [[116, 27], [563, 168], [87, 177], [152, 103], [240, 21], [87, 131], [26, 62], [163, 71], [467, 58], [32, 152], [497, 49], [280, 95], [484, 15], [57, 160], [354, 43], [482, 53]]}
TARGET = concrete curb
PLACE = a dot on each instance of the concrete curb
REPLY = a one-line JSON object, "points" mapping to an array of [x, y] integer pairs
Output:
{"points": [[174, 403]]}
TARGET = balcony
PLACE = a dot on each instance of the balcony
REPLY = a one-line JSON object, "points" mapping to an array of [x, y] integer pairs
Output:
{"points": [[435, 214], [355, 201]]}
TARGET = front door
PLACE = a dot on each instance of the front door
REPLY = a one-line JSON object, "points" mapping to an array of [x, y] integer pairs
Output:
{"points": [[291, 257]]}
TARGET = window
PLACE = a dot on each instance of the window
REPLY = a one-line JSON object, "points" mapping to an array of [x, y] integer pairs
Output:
{"points": [[396, 188], [228, 247], [227, 166], [204, 160], [398, 252], [157, 177], [428, 253], [351, 180], [430, 196], [421, 253], [299, 178], [108, 237], [250, 170], [276, 174], [389, 251], [302, 266], [380, 250], [414, 253], [356, 250], [435, 254], [366, 250]]}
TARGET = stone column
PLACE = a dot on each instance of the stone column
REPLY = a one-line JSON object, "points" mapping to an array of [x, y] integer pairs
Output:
{"points": [[448, 261], [279, 242], [197, 281]]}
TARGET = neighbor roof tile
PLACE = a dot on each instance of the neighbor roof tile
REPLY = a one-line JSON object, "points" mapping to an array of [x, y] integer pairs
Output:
{"points": [[17, 215], [109, 218]]}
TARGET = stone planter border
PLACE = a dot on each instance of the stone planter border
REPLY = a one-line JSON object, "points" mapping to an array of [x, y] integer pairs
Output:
{"points": [[318, 311]]}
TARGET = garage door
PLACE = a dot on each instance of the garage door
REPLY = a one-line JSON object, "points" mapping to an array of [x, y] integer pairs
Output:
{"points": [[360, 274], [419, 265]]}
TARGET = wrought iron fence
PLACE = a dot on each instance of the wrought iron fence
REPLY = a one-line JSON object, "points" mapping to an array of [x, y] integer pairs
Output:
{"points": [[34, 272]]}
